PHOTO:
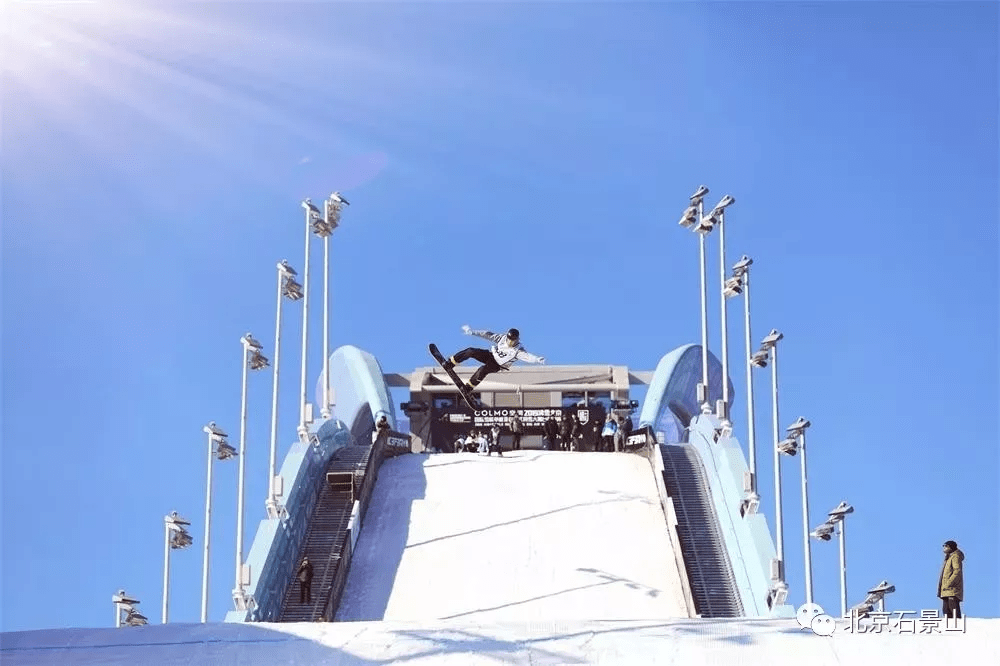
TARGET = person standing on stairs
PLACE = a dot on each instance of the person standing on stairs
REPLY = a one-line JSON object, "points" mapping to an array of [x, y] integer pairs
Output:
{"points": [[305, 576]]}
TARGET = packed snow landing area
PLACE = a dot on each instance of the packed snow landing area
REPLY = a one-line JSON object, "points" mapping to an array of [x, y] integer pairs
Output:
{"points": [[533, 535], [534, 558]]}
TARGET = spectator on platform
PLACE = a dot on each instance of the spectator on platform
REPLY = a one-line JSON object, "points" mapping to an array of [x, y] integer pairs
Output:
{"points": [[305, 576], [551, 433], [565, 433], [495, 440], [382, 424], [608, 433], [516, 430], [950, 584], [484, 444], [624, 430], [575, 434]]}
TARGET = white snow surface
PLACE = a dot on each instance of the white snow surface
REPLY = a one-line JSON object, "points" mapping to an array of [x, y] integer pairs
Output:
{"points": [[464, 643], [529, 536], [534, 558]]}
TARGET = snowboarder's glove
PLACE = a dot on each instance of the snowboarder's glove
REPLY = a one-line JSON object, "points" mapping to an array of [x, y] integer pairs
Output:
{"points": [[466, 329]]}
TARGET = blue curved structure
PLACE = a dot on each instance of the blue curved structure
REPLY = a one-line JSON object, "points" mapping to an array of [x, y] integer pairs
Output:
{"points": [[358, 384], [360, 394], [671, 409], [672, 398]]}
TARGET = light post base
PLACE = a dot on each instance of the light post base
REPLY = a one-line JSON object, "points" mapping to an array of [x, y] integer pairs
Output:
{"points": [[275, 509], [243, 600], [778, 594], [750, 505], [722, 412], [702, 397]]}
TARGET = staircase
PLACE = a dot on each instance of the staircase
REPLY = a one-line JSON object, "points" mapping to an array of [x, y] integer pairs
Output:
{"points": [[708, 568], [326, 536]]}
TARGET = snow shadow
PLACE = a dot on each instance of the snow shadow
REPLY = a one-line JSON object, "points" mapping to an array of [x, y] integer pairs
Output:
{"points": [[382, 540], [221, 643], [617, 497]]}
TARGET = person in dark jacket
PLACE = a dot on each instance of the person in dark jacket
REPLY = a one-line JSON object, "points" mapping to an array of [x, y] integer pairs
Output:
{"points": [[305, 576], [516, 430], [951, 586], [551, 429], [565, 433]]}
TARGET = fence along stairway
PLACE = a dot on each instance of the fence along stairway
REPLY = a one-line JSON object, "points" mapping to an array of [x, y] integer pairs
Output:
{"points": [[327, 528], [709, 571]]}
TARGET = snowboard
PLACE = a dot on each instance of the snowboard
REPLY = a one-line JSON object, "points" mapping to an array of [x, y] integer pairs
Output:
{"points": [[466, 392]]}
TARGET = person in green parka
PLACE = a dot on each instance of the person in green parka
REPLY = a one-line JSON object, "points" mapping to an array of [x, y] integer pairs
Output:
{"points": [[950, 585]]}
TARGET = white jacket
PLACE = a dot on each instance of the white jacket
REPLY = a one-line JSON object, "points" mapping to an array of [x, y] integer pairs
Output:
{"points": [[505, 353]]}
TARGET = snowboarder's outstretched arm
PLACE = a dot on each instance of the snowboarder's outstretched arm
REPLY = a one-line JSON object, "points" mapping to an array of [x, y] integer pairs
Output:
{"points": [[489, 335], [525, 355]]}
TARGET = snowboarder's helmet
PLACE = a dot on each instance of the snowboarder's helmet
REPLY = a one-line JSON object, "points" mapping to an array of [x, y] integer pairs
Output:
{"points": [[514, 334]]}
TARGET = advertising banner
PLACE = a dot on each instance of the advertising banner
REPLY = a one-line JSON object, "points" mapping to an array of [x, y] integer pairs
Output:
{"points": [[448, 424]]}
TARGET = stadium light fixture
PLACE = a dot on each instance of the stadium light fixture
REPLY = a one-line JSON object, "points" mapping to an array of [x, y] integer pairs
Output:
{"points": [[333, 207], [292, 290], [175, 537], [219, 449], [769, 347], [253, 359], [123, 602], [313, 219], [878, 593], [694, 218], [717, 218], [797, 440], [739, 283], [838, 517]]}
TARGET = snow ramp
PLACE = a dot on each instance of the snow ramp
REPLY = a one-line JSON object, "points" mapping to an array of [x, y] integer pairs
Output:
{"points": [[532, 535]]}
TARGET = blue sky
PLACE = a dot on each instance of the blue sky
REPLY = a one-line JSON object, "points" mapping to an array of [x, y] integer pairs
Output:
{"points": [[507, 164]]}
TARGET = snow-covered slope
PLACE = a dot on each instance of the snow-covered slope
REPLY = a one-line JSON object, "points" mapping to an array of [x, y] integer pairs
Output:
{"points": [[531, 535], [465, 643], [534, 558]]}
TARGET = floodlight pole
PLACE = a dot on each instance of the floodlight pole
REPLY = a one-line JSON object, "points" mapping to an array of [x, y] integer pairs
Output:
{"points": [[166, 568], [271, 503], [751, 434], [805, 520], [208, 533], [705, 405], [724, 415], [843, 569], [238, 590], [303, 429], [325, 411], [779, 540]]}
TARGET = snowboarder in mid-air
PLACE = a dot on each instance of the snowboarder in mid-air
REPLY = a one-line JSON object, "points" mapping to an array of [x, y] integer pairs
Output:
{"points": [[501, 355]]}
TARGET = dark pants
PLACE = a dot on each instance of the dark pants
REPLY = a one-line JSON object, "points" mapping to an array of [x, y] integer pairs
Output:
{"points": [[484, 356], [516, 441], [305, 591], [951, 607]]}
